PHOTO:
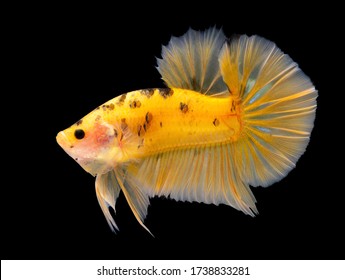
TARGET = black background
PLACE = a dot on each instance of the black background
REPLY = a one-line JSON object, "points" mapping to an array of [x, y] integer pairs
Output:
{"points": [[70, 60]]}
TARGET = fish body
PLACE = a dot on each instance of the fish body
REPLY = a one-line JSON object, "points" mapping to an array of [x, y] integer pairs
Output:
{"points": [[235, 113]]}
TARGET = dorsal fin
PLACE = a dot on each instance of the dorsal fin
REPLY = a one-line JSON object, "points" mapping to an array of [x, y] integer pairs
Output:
{"points": [[191, 61]]}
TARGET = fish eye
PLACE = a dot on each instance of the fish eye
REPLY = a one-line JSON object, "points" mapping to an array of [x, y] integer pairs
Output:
{"points": [[79, 134]]}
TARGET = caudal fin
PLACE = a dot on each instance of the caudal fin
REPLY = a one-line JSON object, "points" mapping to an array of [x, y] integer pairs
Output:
{"points": [[278, 102]]}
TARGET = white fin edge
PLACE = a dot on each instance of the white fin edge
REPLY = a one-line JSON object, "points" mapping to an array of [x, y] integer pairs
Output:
{"points": [[137, 200], [107, 192], [205, 174], [278, 102]]}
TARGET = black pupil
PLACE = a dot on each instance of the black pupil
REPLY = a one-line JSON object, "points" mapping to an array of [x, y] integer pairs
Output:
{"points": [[79, 134]]}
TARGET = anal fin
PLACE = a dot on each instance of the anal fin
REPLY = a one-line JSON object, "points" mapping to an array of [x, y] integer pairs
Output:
{"points": [[202, 174]]}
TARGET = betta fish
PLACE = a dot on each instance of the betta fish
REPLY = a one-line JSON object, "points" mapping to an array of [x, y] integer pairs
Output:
{"points": [[235, 113]]}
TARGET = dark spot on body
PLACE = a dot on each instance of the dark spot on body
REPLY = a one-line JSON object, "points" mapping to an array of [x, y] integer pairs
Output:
{"points": [[132, 104], [216, 122], [121, 136], [122, 99], [71, 146], [148, 117], [115, 133], [161, 124], [104, 107], [166, 92], [141, 143], [97, 108], [135, 104], [123, 124], [79, 122], [183, 107], [145, 127], [233, 106], [76, 159], [139, 130], [97, 118], [111, 106], [147, 92]]}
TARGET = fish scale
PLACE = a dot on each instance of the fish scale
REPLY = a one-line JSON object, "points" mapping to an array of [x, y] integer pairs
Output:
{"points": [[202, 120]]}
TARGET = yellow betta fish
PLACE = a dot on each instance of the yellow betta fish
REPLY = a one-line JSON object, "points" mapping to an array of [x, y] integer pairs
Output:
{"points": [[236, 113]]}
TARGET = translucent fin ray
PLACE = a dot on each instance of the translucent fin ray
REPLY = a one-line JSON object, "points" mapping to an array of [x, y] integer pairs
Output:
{"points": [[278, 102], [107, 192], [205, 174], [137, 200], [191, 62]]}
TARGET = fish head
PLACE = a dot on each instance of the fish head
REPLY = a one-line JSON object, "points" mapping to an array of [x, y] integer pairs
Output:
{"points": [[92, 144]]}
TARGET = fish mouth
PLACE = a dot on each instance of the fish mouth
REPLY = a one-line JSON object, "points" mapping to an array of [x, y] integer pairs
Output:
{"points": [[62, 140], [85, 162], [64, 143]]}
